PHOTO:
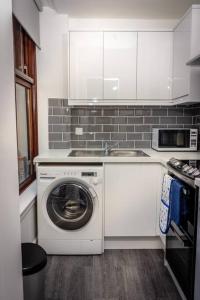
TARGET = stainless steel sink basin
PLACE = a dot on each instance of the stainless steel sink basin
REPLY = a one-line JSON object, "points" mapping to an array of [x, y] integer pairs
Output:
{"points": [[127, 153], [87, 153], [114, 152]]}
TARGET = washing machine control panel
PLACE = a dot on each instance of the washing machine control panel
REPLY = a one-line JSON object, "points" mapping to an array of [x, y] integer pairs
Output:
{"points": [[89, 174], [76, 173]]}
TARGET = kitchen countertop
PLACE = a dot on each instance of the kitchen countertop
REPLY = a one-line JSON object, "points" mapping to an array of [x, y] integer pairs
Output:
{"points": [[61, 156]]}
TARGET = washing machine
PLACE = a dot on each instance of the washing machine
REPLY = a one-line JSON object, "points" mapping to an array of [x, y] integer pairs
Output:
{"points": [[70, 209]]}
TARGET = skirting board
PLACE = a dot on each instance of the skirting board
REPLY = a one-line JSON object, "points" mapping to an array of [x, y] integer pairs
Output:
{"points": [[132, 243]]}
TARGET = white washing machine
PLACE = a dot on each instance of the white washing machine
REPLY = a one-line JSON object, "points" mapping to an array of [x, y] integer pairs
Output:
{"points": [[70, 209]]}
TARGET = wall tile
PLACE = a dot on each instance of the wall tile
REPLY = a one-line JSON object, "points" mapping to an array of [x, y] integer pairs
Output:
{"points": [[127, 144], [103, 120], [61, 128], [55, 120], [142, 144], [119, 120], [175, 112], [110, 128], [55, 136], [184, 120], [94, 144], [134, 136], [102, 136], [78, 144], [142, 112], [135, 120], [86, 120], [110, 112], [151, 120], [142, 128], [118, 136], [126, 112], [167, 120], [159, 112], [126, 128]]}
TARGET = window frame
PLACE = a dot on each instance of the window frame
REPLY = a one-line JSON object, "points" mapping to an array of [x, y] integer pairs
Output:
{"points": [[29, 49]]}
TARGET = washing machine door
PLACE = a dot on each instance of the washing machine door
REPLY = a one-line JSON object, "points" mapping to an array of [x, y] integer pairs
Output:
{"points": [[70, 205]]}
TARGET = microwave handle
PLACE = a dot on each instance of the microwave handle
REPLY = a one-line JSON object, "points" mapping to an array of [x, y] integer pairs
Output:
{"points": [[179, 235]]}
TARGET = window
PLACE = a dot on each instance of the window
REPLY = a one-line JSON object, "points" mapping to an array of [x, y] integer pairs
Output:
{"points": [[26, 104]]}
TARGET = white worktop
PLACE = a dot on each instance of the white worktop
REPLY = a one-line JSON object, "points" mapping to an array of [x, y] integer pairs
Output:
{"points": [[61, 156]]}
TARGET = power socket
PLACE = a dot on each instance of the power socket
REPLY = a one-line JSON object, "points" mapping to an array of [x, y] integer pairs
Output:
{"points": [[79, 131]]}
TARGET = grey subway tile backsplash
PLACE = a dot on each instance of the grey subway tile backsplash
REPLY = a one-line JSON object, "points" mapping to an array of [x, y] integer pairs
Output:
{"points": [[168, 120], [142, 144], [130, 126]]}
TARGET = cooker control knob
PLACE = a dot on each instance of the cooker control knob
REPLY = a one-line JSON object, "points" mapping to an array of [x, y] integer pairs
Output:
{"points": [[190, 171], [196, 173], [186, 168]]}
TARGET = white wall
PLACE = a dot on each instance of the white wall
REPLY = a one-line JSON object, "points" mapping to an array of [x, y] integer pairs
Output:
{"points": [[10, 244], [52, 67]]}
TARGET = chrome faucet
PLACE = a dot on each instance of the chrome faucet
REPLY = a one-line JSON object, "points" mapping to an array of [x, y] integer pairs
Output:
{"points": [[108, 148]]}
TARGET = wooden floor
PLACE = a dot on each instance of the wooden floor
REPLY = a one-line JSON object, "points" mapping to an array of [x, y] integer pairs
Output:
{"points": [[115, 275]]}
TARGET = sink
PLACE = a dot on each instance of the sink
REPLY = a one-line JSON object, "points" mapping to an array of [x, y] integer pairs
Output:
{"points": [[127, 153], [87, 153], [114, 152]]}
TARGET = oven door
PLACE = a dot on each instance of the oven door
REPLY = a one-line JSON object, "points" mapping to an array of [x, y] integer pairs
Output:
{"points": [[174, 138], [180, 257]]}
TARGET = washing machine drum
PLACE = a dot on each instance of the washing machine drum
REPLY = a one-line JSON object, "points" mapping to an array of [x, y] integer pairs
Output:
{"points": [[70, 205]]}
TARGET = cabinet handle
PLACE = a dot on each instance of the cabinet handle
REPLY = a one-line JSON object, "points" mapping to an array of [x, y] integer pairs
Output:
{"points": [[26, 70]]}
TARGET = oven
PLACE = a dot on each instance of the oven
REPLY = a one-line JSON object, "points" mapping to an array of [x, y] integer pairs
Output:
{"points": [[181, 238]]}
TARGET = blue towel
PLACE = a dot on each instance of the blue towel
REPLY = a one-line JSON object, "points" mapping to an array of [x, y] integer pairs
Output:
{"points": [[177, 203]]}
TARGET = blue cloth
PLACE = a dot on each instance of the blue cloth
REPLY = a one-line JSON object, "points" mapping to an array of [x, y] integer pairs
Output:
{"points": [[177, 203]]}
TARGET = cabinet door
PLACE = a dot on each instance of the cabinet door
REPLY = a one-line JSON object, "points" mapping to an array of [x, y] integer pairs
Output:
{"points": [[131, 198], [154, 65], [86, 65], [195, 38], [181, 54], [120, 54]]}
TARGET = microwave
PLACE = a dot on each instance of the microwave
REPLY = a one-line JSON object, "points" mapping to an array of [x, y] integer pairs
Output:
{"points": [[174, 139]]}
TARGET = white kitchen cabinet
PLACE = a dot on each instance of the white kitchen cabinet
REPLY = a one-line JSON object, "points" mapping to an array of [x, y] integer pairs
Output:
{"points": [[132, 193], [154, 74], [186, 46], [195, 28], [120, 62], [86, 65], [181, 54]]}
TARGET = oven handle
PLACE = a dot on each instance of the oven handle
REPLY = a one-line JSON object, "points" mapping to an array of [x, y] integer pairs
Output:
{"points": [[179, 234]]}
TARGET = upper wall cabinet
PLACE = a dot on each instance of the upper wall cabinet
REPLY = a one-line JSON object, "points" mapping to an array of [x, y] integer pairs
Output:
{"points": [[121, 68], [181, 53], [154, 65], [120, 61], [86, 65], [186, 45]]}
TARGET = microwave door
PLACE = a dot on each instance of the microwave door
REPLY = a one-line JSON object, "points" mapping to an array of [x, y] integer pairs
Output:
{"points": [[180, 139]]}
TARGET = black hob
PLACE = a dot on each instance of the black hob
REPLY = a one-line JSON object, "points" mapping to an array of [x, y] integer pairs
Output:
{"points": [[188, 168]]}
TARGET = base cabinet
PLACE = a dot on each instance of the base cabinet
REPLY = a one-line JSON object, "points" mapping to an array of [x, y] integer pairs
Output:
{"points": [[132, 192]]}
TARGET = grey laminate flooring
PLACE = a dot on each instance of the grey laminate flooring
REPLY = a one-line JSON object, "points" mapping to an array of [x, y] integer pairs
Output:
{"points": [[115, 275]]}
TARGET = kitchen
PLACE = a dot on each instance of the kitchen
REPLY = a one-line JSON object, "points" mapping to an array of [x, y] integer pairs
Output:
{"points": [[106, 103]]}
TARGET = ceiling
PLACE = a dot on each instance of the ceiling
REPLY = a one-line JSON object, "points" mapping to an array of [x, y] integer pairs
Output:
{"points": [[140, 9]]}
